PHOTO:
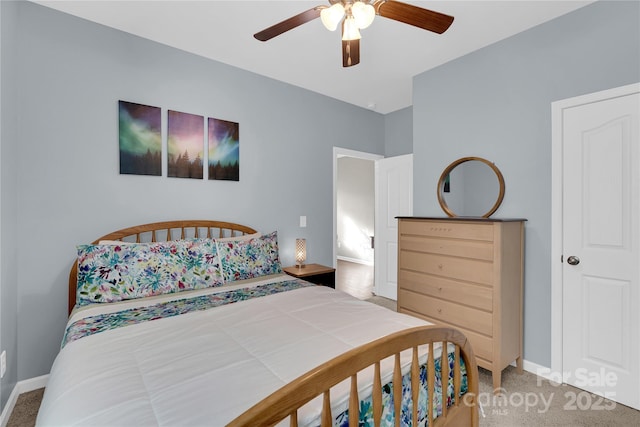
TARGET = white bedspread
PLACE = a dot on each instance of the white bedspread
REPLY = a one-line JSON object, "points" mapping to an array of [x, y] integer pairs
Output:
{"points": [[207, 367]]}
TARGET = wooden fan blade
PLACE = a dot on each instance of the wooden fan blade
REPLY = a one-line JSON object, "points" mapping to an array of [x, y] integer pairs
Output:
{"points": [[288, 24], [414, 15], [350, 53]]}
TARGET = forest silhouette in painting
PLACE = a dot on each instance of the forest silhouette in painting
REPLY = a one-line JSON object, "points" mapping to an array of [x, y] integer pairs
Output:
{"points": [[224, 150], [185, 145], [140, 139], [183, 167]]}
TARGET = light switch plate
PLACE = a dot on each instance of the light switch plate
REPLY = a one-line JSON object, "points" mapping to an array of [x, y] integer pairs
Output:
{"points": [[303, 221]]}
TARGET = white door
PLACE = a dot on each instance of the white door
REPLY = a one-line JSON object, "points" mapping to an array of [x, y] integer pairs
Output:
{"points": [[601, 254], [394, 197]]}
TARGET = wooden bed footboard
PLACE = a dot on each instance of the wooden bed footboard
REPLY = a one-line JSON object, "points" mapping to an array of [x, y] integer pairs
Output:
{"points": [[285, 402], [163, 231]]}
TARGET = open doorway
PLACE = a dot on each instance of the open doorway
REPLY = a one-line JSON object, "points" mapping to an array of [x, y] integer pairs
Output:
{"points": [[354, 221]]}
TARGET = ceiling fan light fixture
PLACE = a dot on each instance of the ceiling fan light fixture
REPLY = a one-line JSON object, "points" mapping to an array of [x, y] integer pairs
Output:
{"points": [[331, 16], [363, 14], [350, 29], [354, 15]]}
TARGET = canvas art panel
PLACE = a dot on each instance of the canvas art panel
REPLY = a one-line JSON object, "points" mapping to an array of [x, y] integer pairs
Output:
{"points": [[140, 139], [185, 145], [224, 149]]}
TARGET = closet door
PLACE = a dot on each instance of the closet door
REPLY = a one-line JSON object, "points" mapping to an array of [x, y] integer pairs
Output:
{"points": [[601, 255]]}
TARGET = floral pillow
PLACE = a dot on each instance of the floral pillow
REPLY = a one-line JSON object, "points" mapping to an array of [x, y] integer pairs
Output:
{"points": [[246, 259], [113, 272]]}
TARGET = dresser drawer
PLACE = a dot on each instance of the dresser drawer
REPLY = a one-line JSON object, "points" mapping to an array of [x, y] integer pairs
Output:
{"points": [[448, 229], [446, 311], [463, 293], [449, 267], [482, 346], [476, 249]]}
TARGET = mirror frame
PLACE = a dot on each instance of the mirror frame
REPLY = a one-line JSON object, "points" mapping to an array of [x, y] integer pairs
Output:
{"points": [[447, 171]]}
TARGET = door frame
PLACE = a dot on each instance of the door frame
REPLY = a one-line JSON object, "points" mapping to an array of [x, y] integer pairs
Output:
{"points": [[557, 109], [337, 153]]}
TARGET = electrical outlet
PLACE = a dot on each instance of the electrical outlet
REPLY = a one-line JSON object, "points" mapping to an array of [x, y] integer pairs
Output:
{"points": [[3, 363]]}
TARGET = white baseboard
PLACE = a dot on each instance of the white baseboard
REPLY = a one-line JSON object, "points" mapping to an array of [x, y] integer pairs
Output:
{"points": [[539, 370], [21, 387], [33, 383], [8, 408], [357, 261], [534, 368]]}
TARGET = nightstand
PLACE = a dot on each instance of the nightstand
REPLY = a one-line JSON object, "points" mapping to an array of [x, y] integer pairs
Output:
{"points": [[314, 273]]}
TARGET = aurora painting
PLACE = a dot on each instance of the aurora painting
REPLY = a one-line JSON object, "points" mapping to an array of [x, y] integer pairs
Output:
{"points": [[140, 139], [185, 145], [224, 150]]}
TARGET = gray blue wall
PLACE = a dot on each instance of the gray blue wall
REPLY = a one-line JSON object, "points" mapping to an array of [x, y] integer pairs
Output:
{"points": [[496, 103], [8, 200], [398, 132], [62, 79]]}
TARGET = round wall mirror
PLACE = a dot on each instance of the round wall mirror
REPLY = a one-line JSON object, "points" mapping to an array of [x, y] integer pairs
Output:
{"points": [[470, 187]]}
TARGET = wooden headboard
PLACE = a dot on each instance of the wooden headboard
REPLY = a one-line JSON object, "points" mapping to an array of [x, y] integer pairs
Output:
{"points": [[163, 231]]}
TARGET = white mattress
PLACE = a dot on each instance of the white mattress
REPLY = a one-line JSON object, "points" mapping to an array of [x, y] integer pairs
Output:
{"points": [[206, 367]]}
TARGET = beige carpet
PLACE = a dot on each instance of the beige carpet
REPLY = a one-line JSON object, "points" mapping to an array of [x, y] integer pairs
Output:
{"points": [[385, 302], [26, 409], [529, 400]]}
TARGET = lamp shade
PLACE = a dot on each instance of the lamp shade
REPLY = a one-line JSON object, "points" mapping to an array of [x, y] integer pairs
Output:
{"points": [[350, 29], [331, 16], [301, 252], [363, 13]]}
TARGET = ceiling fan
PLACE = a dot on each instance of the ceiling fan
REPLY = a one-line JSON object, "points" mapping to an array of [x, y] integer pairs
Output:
{"points": [[356, 15]]}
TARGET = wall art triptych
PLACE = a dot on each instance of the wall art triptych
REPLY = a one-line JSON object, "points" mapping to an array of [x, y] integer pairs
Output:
{"points": [[140, 139]]}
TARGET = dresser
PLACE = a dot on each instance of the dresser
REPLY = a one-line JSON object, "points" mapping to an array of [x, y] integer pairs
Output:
{"points": [[466, 273]]}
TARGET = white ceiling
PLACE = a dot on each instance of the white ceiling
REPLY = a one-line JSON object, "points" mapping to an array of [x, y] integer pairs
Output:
{"points": [[310, 56]]}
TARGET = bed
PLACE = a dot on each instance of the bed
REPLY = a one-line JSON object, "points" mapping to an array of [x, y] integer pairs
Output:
{"points": [[193, 323]]}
